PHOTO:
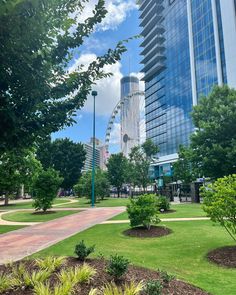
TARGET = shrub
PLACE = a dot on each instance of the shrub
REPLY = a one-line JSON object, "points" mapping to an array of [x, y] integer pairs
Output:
{"points": [[117, 266], [163, 203], [143, 211], [45, 188], [166, 278], [219, 202], [82, 251], [153, 287]]}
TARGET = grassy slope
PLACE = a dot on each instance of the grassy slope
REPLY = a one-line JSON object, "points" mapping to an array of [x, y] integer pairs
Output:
{"points": [[27, 204], [181, 253], [25, 216], [6, 228], [111, 202], [182, 210]]}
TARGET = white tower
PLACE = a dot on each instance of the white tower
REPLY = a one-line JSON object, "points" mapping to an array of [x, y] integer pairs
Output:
{"points": [[130, 114]]}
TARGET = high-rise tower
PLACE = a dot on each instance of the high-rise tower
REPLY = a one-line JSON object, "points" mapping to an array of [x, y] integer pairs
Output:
{"points": [[130, 114], [188, 47]]}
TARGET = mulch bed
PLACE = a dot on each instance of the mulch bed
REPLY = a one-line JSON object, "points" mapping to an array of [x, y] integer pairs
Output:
{"points": [[142, 232], [44, 213], [225, 256], [136, 274]]}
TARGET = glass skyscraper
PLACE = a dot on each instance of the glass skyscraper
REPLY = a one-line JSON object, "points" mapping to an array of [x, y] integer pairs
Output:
{"points": [[188, 47]]}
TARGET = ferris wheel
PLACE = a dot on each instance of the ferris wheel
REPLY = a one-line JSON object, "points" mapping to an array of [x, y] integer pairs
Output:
{"points": [[115, 135]]}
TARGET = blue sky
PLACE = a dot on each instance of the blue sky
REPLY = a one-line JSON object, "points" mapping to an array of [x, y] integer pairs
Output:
{"points": [[121, 23]]}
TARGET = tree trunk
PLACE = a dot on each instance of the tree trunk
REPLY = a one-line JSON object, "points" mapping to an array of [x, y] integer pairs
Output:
{"points": [[118, 192], [6, 201]]}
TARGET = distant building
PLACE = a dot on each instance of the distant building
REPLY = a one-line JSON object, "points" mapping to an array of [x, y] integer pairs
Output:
{"points": [[130, 114], [188, 47], [100, 155]]}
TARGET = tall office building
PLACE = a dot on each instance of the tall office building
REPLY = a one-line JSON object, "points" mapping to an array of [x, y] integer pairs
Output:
{"points": [[188, 47], [129, 114]]}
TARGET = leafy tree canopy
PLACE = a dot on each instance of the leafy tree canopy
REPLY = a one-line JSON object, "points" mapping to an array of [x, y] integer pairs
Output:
{"points": [[46, 185], [219, 202], [17, 168], [212, 151], [117, 170], [102, 185], [140, 159], [38, 40], [65, 156]]}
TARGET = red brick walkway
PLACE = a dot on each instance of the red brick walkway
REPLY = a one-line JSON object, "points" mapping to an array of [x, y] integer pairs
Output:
{"points": [[18, 244]]}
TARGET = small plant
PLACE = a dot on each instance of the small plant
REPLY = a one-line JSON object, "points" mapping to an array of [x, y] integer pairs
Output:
{"points": [[166, 278], [153, 287], [93, 292], [129, 289], [77, 274], [82, 251], [41, 289], [163, 203], [32, 279], [51, 263], [133, 289], [143, 211], [5, 282], [117, 266]]}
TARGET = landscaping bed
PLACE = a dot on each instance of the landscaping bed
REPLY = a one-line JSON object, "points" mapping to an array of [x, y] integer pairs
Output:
{"points": [[225, 256], [142, 232], [101, 278]]}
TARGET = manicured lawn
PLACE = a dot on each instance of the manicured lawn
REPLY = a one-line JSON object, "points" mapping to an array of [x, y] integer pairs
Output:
{"points": [[181, 253], [6, 228], [26, 216], [27, 204], [182, 210], [110, 202]]}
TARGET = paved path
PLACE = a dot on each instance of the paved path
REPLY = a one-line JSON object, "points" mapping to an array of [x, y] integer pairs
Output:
{"points": [[18, 244], [163, 220]]}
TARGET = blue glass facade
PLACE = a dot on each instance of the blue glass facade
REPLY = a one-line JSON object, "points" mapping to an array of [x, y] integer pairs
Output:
{"points": [[191, 60], [168, 95], [204, 46]]}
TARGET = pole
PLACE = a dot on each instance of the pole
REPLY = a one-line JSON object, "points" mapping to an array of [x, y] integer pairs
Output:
{"points": [[94, 94]]}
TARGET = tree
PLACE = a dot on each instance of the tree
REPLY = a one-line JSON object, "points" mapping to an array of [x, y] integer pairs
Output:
{"points": [[17, 168], [183, 168], [219, 202], [213, 145], [117, 171], [46, 185], [141, 157], [143, 211], [66, 157], [39, 94], [102, 185]]}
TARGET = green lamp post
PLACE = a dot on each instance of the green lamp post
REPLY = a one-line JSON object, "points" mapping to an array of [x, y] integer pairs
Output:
{"points": [[94, 94]]}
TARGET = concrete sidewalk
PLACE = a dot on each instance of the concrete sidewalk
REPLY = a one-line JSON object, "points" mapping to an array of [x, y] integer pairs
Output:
{"points": [[18, 244], [162, 219]]}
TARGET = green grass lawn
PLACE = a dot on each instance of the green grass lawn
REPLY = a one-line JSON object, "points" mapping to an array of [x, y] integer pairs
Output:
{"points": [[6, 228], [110, 202], [27, 204], [26, 216], [182, 210], [181, 253]]}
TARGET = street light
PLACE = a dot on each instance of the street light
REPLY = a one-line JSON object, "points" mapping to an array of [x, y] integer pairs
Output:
{"points": [[94, 94]]}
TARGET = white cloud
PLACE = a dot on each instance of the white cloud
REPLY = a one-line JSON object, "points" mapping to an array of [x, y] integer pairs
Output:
{"points": [[108, 88], [117, 12]]}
